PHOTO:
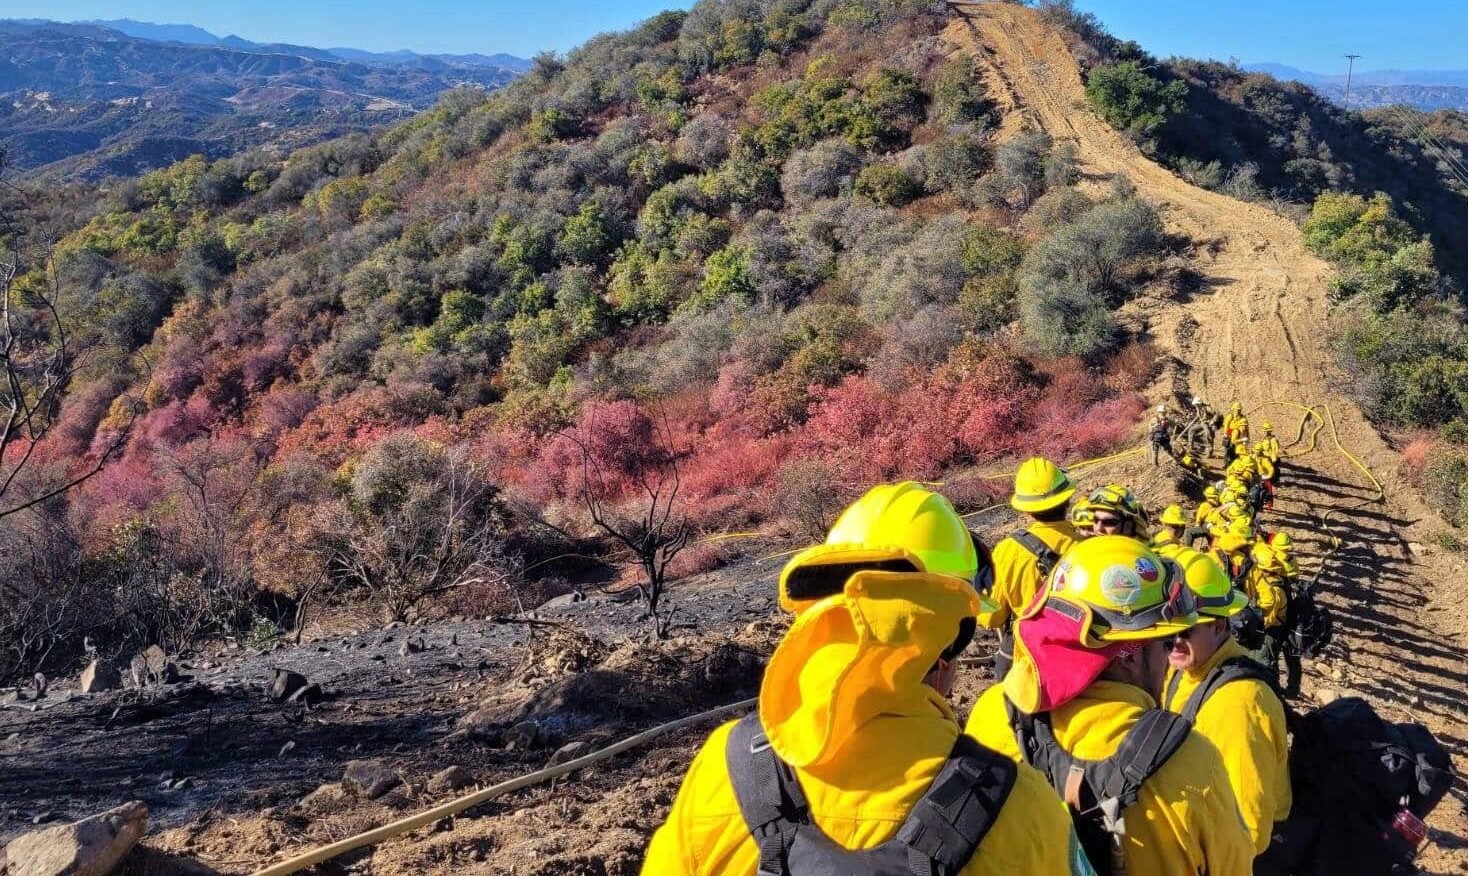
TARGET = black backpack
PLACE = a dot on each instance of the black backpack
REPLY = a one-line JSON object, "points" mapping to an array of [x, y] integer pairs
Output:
{"points": [[938, 838], [1100, 791], [1310, 627], [1350, 772], [1227, 671]]}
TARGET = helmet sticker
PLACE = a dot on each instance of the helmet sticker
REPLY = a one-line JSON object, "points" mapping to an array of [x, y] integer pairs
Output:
{"points": [[1147, 569], [1121, 585]]}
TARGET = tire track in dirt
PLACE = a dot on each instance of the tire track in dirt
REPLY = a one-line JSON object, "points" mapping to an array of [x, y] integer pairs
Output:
{"points": [[1258, 332]]}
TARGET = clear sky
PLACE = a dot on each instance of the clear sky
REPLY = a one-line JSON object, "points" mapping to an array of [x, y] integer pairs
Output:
{"points": [[1311, 34]]}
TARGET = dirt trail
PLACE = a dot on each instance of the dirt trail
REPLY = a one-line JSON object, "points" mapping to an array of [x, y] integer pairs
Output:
{"points": [[1258, 332]]}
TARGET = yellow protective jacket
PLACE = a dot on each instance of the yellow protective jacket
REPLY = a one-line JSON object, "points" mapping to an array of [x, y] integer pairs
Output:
{"points": [[1017, 571], [1204, 512], [1266, 588], [843, 703], [1267, 447], [1245, 721], [1235, 427], [1185, 821]]}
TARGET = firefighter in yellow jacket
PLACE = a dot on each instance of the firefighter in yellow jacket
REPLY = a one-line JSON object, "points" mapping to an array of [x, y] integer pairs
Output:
{"points": [[1089, 665], [1042, 491], [1269, 591], [854, 722], [1243, 718]]}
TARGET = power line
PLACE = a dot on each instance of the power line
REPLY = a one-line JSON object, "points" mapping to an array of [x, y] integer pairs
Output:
{"points": [[1433, 146]]}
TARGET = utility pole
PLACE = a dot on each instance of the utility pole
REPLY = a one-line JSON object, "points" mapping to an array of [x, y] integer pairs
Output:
{"points": [[1350, 68]]}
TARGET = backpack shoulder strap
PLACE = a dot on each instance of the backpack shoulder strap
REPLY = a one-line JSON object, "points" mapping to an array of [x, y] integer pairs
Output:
{"points": [[1149, 744], [1230, 670], [1042, 552], [951, 819], [1038, 746], [769, 794]]}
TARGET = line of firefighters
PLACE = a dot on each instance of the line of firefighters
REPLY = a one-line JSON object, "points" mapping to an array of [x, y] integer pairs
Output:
{"points": [[1079, 761]]}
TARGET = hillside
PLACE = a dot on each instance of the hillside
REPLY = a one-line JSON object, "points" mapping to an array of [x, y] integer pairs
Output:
{"points": [[764, 253], [1425, 90], [84, 101]]}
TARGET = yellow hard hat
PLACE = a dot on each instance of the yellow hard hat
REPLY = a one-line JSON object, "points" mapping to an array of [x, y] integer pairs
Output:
{"points": [[1081, 515], [1172, 515], [1040, 485], [1238, 511], [1266, 427], [1217, 597], [1281, 541], [1236, 407], [1122, 591], [893, 528], [1210, 493], [1242, 526], [1230, 542], [1118, 499]]}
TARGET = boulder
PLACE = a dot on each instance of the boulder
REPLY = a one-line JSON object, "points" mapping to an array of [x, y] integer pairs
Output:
{"points": [[522, 736], [450, 779], [569, 752], [286, 683], [90, 847], [160, 670], [99, 676], [369, 779]]}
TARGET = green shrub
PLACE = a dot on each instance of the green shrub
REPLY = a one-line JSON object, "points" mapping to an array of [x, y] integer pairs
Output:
{"points": [[1132, 100], [1445, 482], [726, 277], [1061, 317], [887, 185]]}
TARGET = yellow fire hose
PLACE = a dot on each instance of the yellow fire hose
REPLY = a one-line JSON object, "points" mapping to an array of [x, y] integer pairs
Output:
{"points": [[453, 807]]}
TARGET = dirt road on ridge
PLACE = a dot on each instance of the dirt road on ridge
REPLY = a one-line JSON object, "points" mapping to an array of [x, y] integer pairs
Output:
{"points": [[1258, 332]]}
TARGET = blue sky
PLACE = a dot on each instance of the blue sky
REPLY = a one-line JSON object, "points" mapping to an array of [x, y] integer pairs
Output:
{"points": [[1311, 34]]}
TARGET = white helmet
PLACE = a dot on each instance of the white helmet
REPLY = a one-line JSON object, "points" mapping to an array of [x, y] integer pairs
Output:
{"points": [[1162, 409], [1197, 400]]}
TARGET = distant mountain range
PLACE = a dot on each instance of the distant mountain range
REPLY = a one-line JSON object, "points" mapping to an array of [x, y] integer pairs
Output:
{"points": [[1424, 89], [196, 36], [91, 99]]}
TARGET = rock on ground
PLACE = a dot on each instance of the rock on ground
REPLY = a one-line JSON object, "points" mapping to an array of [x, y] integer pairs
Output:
{"points": [[286, 683], [450, 779], [369, 779], [90, 847], [99, 676]]}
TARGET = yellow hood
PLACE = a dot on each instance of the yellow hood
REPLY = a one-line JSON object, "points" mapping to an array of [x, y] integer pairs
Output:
{"points": [[856, 655]]}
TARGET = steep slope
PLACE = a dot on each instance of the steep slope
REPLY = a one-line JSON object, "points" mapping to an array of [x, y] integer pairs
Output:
{"points": [[1258, 332]]}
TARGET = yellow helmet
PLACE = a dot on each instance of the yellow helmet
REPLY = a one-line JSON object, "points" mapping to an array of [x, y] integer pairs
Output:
{"points": [[1266, 427], [1120, 590], [1242, 526], [1281, 542], [1172, 515], [1081, 515], [1230, 542], [1217, 597], [1210, 493], [1040, 485], [1118, 500], [1236, 407], [893, 528]]}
